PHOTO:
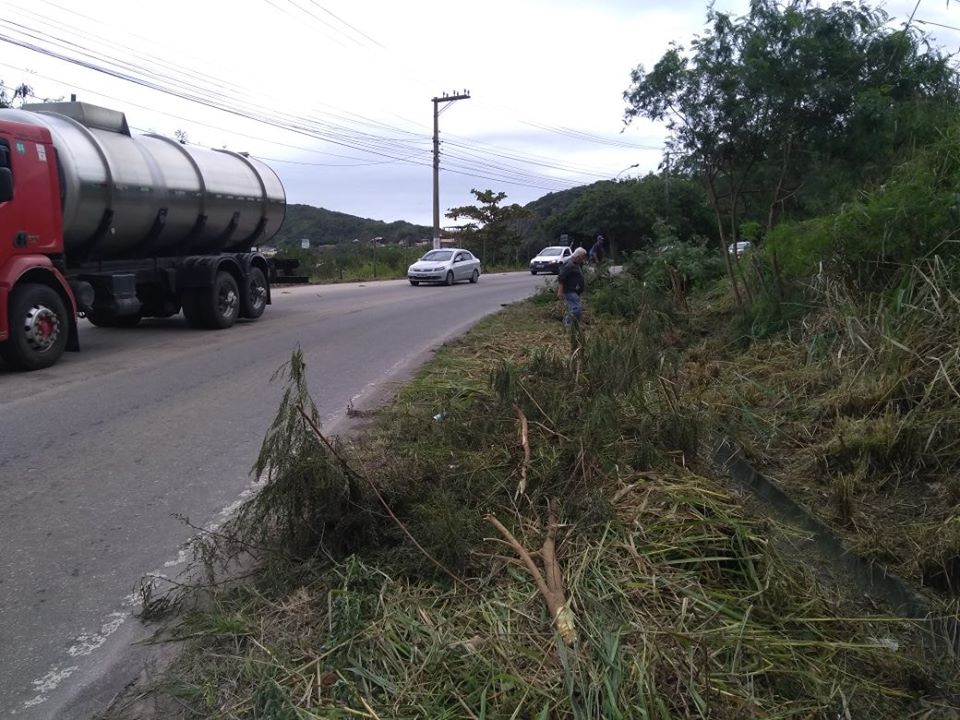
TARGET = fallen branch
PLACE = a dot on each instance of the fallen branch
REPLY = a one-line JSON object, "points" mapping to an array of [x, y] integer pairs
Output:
{"points": [[549, 582]]}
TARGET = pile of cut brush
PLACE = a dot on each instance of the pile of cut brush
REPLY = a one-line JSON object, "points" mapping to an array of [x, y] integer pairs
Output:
{"points": [[527, 534], [857, 414]]}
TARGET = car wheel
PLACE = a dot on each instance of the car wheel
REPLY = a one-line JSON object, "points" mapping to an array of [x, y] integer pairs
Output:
{"points": [[533, 272], [39, 327], [475, 276], [414, 282], [449, 280]]}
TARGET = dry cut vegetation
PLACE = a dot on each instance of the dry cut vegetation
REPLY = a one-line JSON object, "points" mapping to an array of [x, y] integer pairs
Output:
{"points": [[855, 412]]}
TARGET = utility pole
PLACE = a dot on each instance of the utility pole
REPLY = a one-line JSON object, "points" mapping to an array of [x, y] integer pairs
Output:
{"points": [[465, 95]]}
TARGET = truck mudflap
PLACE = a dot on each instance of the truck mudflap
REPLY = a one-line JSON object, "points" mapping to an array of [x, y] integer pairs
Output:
{"points": [[37, 269]]}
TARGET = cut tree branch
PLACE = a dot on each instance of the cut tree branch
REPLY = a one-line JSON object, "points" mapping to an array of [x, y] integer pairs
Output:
{"points": [[549, 582]]}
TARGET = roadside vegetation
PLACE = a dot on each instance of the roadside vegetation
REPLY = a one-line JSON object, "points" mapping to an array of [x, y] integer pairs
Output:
{"points": [[397, 574], [535, 526]]}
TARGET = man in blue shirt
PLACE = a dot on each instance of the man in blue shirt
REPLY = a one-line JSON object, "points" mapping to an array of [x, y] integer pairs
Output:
{"points": [[570, 284]]}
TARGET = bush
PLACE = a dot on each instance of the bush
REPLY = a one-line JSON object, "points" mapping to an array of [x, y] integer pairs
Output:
{"points": [[676, 266]]}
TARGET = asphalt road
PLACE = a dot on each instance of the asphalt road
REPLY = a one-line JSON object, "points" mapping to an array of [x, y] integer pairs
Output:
{"points": [[100, 452]]}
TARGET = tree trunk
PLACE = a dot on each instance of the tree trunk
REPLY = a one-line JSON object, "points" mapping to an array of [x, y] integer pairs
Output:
{"points": [[715, 202], [778, 277]]}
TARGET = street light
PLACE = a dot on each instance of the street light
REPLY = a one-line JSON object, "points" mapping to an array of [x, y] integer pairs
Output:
{"points": [[629, 167]]}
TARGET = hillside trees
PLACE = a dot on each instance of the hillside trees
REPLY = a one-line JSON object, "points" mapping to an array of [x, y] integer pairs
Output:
{"points": [[781, 110], [327, 227], [627, 212]]}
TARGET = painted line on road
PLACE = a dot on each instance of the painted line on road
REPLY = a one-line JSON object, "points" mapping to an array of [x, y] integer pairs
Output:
{"points": [[84, 644]]}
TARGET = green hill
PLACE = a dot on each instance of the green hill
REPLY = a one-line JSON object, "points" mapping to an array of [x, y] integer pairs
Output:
{"points": [[327, 227]]}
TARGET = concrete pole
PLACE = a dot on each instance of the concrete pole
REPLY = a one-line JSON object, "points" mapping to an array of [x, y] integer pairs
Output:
{"points": [[465, 95]]}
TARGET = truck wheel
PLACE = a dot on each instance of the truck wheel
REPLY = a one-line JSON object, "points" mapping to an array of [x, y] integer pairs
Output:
{"points": [[38, 328], [254, 297], [223, 305]]}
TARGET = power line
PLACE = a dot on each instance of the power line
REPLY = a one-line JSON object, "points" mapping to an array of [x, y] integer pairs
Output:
{"points": [[389, 148], [520, 157]]}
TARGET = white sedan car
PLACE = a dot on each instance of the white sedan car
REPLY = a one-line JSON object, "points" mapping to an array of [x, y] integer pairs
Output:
{"points": [[550, 259], [447, 266]]}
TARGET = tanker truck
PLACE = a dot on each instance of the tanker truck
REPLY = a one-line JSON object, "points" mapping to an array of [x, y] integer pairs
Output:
{"points": [[98, 223]]}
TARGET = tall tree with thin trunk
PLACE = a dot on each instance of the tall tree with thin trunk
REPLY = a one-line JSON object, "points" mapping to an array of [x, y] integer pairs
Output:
{"points": [[765, 105]]}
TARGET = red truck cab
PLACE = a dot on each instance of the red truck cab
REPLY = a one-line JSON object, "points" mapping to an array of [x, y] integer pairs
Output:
{"points": [[34, 294]]}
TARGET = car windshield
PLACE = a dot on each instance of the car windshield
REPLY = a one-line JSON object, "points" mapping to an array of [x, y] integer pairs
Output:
{"points": [[551, 251], [438, 255]]}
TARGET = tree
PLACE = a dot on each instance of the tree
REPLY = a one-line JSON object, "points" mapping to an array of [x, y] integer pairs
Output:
{"points": [[492, 227], [627, 212], [607, 208], [765, 104]]}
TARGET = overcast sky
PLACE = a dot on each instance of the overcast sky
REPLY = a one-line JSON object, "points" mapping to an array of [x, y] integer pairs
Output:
{"points": [[336, 94]]}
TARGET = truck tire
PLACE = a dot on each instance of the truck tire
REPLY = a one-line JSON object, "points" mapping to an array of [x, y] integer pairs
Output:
{"points": [[223, 306], [214, 308], [39, 328], [253, 299]]}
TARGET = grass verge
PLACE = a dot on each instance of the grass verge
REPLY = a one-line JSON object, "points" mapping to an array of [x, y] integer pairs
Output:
{"points": [[680, 604]]}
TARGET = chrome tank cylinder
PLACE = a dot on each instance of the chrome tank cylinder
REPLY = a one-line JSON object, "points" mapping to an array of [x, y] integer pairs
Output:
{"points": [[127, 197]]}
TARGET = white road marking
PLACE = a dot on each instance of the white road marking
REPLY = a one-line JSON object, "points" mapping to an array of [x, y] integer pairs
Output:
{"points": [[84, 644]]}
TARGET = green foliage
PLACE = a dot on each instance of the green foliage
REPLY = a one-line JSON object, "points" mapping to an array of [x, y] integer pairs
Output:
{"points": [[678, 266], [625, 296], [788, 108], [627, 212], [309, 500], [494, 231], [873, 240]]}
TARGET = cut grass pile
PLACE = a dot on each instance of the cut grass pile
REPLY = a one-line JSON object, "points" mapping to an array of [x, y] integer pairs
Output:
{"points": [[857, 414], [681, 605]]}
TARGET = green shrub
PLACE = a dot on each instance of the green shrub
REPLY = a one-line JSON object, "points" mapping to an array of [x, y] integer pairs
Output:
{"points": [[674, 265]]}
